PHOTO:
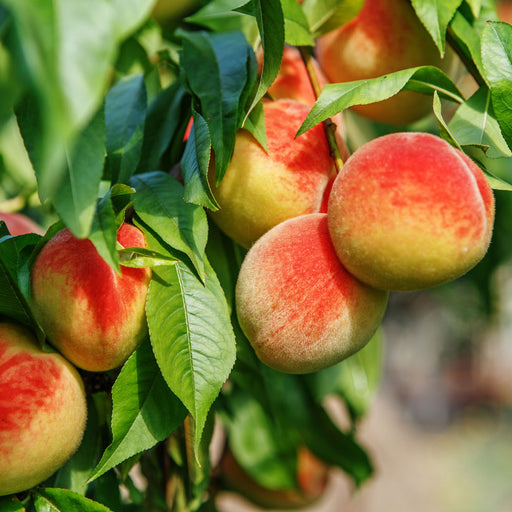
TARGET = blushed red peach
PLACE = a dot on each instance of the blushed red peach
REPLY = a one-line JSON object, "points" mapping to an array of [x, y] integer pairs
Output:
{"points": [[386, 36], [298, 306], [43, 410], [409, 211], [94, 316], [259, 189], [19, 224]]}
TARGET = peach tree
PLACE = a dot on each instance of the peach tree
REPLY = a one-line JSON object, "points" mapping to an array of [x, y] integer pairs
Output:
{"points": [[127, 112]]}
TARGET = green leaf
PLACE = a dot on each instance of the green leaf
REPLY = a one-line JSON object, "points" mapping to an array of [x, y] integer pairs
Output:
{"points": [[219, 71], [255, 123], [191, 335], [144, 412], [75, 200], [444, 131], [125, 113], [164, 119], [475, 124], [355, 379], [195, 165], [130, 14], [322, 434], [326, 15], [11, 504], [270, 19], [224, 15], [137, 257], [63, 500], [436, 16], [296, 26], [336, 97], [159, 203], [64, 51], [497, 63], [13, 303]]}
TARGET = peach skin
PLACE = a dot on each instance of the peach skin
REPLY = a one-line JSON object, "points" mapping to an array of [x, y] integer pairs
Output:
{"points": [[43, 410], [409, 211], [95, 317], [19, 224], [386, 36], [298, 306], [259, 189]]}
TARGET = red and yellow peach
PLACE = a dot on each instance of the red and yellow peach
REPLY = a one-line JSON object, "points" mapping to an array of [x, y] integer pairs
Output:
{"points": [[94, 316], [298, 306], [409, 211], [260, 189], [43, 410]]}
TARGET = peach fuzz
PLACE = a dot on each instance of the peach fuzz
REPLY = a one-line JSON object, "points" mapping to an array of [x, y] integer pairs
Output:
{"points": [[94, 316], [259, 189], [298, 306], [19, 224], [386, 36], [43, 410], [409, 211], [293, 82]]}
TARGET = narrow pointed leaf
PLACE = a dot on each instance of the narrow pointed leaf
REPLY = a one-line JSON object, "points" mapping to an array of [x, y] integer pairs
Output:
{"points": [[497, 62], [76, 197], [336, 97], [474, 123], [159, 203], [195, 165], [125, 113], [296, 26], [191, 335], [270, 19], [145, 411], [326, 15], [63, 500], [436, 16]]}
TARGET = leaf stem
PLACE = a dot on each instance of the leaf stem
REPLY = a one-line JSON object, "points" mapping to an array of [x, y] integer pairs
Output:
{"points": [[328, 124]]}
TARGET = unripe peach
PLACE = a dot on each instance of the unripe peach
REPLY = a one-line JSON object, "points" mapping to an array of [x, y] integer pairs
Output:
{"points": [[259, 189], [312, 480], [298, 306], [43, 410], [94, 316], [19, 224], [409, 211], [386, 36]]}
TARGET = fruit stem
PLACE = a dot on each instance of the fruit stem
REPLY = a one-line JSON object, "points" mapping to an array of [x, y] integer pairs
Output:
{"points": [[328, 124]]}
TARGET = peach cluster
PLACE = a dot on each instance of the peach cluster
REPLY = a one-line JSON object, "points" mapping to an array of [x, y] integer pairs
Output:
{"points": [[95, 318], [407, 211]]}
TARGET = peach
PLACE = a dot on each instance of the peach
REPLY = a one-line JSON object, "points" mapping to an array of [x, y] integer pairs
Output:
{"points": [[19, 224], [292, 81], [43, 410], [312, 480], [298, 306], [259, 189], [386, 36], [94, 316], [409, 211]]}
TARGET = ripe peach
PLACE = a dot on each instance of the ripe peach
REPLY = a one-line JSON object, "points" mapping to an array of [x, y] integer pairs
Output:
{"points": [[386, 36], [259, 189], [409, 211], [312, 480], [94, 316], [43, 410], [292, 81], [19, 224], [298, 306]]}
